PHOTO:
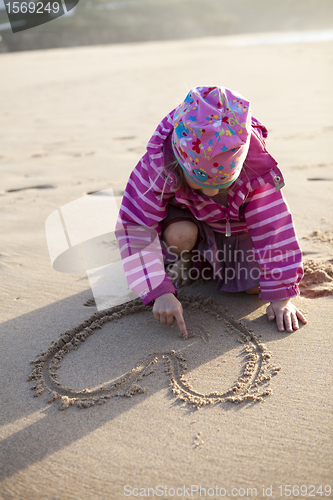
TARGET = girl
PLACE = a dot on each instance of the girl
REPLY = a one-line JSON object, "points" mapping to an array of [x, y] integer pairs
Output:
{"points": [[207, 194]]}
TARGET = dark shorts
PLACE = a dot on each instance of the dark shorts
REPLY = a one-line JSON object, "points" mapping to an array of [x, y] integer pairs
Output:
{"points": [[229, 260]]}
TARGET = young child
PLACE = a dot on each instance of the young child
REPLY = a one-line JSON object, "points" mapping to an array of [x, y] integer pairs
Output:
{"points": [[207, 193]]}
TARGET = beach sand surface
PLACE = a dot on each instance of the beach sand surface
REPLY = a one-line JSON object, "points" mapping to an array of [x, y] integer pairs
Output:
{"points": [[76, 121]]}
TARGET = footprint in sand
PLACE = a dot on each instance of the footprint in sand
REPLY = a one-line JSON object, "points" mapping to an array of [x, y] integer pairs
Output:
{"points": [[130, 138], [124, 138], [320, 179], [40, 186], [121, 358], [83, 154], [100, 192]]}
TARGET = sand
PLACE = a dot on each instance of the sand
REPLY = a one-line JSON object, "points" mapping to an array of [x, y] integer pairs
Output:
{"points": [[235, 405]]}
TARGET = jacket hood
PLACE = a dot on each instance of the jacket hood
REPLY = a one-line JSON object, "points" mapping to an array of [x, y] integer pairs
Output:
{"points": [[259, 163]]}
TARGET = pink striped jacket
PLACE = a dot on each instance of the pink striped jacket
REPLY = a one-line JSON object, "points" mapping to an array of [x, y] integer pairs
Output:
{"points": [[255, 204]]}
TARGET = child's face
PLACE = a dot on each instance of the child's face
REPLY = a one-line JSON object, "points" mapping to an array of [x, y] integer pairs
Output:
{"points": [[206, 191]]}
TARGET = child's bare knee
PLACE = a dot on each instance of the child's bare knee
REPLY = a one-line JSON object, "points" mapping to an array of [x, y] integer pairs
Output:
{"points": [[253, 291], [181, 236]]}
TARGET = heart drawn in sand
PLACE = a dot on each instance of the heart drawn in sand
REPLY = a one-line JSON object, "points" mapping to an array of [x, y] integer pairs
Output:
{"points": [[252, 384]]}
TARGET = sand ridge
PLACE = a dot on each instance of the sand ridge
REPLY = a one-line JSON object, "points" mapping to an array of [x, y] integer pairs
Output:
{"points": [[321, 236], [252, 385], [317, 280]]}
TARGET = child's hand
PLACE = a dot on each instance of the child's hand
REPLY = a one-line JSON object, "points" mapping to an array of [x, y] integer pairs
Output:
{"points": [[167, 308], [286, 314]]}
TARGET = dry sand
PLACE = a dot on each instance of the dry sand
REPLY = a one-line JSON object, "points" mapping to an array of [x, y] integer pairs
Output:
{"points": [[76, 121]]}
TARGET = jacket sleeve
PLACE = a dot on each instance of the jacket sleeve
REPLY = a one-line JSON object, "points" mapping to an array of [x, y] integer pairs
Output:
{"points": [[275, 244], [138, 232]]}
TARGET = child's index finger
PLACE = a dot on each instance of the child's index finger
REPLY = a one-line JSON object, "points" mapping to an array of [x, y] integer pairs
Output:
{"points": [[181, 323]]}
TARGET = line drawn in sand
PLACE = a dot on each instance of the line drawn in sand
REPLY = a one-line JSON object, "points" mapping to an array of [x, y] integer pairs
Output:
{"points": [[252, 384]]}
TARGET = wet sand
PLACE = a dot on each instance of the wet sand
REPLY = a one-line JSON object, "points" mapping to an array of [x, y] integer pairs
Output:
{"points": [[237, 404]]}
